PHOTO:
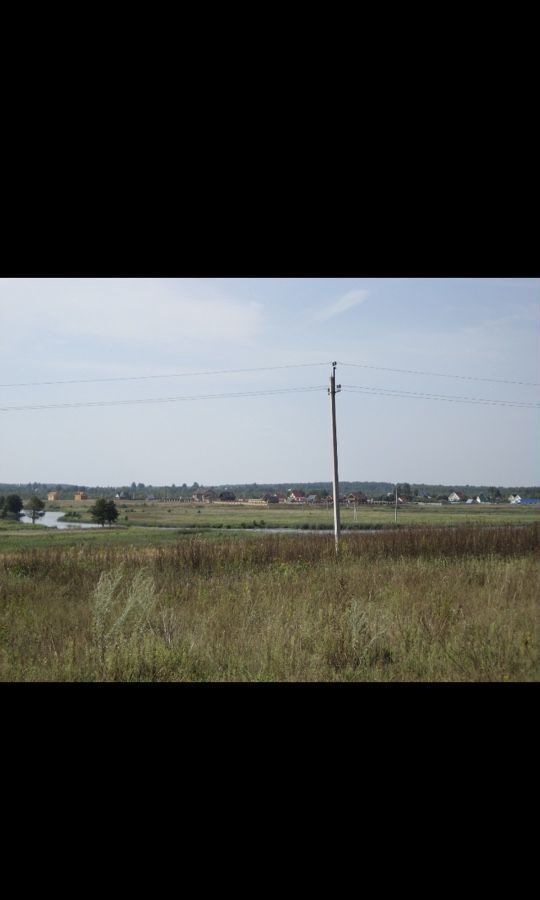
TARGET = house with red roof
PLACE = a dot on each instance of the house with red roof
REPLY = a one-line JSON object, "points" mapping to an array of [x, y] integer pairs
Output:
{"points": [[457, 496], [296, 497]]}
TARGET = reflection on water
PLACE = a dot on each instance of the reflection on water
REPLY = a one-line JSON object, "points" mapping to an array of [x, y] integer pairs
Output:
{"points": [[50, 519]]}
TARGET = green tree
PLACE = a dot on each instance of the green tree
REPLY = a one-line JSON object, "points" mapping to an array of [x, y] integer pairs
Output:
{"points": [[100, 511], [13, 505], [111, 511], [34, 508]]}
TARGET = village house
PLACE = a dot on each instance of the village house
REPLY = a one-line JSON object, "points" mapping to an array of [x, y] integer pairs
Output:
{"points": [[296, 497], [227, 497], [270, 498], [514, 498], [456, 497], [356, 497], [53, 495], [80, 495], [204, 496]]}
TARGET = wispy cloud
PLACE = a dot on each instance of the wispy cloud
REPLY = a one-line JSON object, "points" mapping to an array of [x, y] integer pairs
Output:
{"points": [[141, 310], [524, 316], [352, 298]]}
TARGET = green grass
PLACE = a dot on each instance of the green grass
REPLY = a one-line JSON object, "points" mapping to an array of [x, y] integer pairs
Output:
{"points": [[189, 515], [28, 537], [419, 605]]}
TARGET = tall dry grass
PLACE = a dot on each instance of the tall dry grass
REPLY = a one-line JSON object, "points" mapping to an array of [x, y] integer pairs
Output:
{"points": [[404, 606]]}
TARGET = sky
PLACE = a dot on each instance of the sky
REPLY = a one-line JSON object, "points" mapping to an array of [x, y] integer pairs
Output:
{"points": [[82, 329]]}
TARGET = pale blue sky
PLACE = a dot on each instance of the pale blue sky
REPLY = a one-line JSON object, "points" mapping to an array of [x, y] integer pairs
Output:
{"points": [[61, 329]]}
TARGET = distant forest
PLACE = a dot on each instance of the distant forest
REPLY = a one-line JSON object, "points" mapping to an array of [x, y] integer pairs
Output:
{"points": [[373, 489]]}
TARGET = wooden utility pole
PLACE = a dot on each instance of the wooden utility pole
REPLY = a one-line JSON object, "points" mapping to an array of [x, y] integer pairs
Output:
{"points": [[335, 481], [395, 514]]}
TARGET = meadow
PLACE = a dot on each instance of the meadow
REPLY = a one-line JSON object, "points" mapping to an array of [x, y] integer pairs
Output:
{"points": [[285, 515], [417, 604]]}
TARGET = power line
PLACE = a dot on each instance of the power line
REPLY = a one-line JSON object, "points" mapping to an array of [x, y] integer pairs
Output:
{"points": [[439, 374], [425, 396], [351, 388], [162, 399], [263, 369], [383, 392], [171, 375]]}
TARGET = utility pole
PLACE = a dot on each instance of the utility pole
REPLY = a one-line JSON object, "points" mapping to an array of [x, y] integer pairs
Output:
{"points": [[395, 515], [335, 481]]}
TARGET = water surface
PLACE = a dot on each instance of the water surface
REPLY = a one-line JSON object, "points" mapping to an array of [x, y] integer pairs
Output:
{"points": [[50, 520]]}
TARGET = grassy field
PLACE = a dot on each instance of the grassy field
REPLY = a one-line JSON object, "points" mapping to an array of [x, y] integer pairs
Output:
{"points": [[458, 604], [189, 515], [39, 537], [160, 523]]}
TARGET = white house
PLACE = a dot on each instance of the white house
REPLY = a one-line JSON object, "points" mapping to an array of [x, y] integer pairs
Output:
{"points": [[455, 497], [296, 497], [514, 498]]}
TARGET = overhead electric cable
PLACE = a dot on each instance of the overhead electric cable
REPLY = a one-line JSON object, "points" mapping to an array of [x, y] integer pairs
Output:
{"points": [[439, 374], [170, 375], [383, 392], [162, 399], [263, 369]]}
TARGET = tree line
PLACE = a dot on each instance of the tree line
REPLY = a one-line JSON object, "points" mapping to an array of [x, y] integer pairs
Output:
{"points": [[11, 507]]}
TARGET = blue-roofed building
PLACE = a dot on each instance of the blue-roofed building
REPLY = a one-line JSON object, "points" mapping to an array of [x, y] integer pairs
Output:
{"points": [[529, 500]]}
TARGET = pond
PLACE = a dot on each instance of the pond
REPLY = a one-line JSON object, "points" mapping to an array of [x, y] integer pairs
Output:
{"points": [[50, 519]]}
